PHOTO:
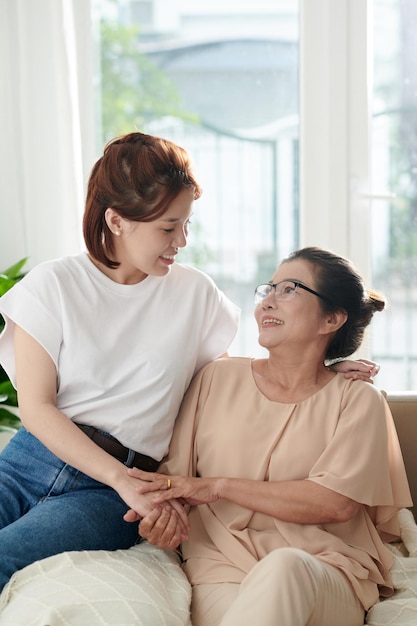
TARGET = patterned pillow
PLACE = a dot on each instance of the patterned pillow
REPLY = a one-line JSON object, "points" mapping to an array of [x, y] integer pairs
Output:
{"points": [[143, 585]]}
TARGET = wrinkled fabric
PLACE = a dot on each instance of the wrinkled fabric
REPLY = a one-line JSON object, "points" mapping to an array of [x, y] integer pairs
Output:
{"points": [[342, 437]]}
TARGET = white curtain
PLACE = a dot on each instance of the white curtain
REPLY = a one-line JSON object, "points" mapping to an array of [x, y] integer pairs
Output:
{"points": [[47, 127]]}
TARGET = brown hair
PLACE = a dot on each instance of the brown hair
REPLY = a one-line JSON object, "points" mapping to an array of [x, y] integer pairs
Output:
{"points": [[138, 176], [343, 289]]}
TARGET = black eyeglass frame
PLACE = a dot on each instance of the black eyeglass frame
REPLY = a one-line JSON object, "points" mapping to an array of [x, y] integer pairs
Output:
{"points": [[296, 284]]}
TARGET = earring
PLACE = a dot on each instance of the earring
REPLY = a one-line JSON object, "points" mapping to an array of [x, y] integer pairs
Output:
{"points": [[118, 233]]}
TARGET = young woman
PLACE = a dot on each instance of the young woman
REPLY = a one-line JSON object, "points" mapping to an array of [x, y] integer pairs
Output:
{"points": [[293, 473], [102, 347]]}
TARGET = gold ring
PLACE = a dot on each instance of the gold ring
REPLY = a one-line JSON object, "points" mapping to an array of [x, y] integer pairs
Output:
{"points": [[168, 483]]}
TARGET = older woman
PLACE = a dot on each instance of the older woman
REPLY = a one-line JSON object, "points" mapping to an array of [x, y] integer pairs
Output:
{"points": [[293, 473]]}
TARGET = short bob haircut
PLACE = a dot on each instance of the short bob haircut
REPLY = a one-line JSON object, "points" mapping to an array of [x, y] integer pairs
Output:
{"points": [[138, 176], [343, 289]]}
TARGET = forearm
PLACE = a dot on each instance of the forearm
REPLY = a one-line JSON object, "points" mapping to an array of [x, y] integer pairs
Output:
{"points": [[62, 437], [300, 501], [36, 377], [296, 501]]}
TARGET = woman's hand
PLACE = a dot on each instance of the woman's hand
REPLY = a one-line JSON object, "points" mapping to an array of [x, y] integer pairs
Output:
{"points": [[187, 489], [362, 369], [149, 481], [139, 502], [163, 527]]}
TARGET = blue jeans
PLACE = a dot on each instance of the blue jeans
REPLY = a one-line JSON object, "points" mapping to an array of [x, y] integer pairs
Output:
{"points": [[47, 507]]}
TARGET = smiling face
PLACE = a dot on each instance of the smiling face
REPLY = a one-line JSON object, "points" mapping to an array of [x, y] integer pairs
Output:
{"points": [[149, 248], [297, 322]]}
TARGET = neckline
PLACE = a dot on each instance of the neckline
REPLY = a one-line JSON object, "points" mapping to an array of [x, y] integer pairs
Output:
{"points": [[113, 286], [293, 403]]}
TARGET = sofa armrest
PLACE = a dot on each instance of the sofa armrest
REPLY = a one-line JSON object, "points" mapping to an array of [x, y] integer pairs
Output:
{"points": [[403, 406]]}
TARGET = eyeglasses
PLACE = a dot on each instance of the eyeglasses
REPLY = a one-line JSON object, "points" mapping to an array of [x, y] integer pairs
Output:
{"points": [[284, 290]]}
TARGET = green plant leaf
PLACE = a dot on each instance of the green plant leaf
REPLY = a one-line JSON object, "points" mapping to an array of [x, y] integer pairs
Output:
{"points": [[8, 278], [3, 375], [8, 394], [8, 419], [5, 284], [14, 271]]}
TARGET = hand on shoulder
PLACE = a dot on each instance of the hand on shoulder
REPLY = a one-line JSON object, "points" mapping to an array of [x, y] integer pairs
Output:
{"points": [[360, 369]]}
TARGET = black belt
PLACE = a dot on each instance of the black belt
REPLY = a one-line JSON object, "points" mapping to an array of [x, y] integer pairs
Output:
{"points": [[111, 445]]}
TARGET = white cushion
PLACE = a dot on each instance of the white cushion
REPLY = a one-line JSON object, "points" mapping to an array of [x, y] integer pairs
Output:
{"points": [[140, 586]]}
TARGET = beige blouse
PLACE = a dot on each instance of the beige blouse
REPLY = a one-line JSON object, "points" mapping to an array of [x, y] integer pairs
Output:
{"points": [[342, 437]]}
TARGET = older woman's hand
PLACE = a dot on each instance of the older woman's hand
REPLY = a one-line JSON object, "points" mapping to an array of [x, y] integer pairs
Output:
{"points": [[185, 489]]}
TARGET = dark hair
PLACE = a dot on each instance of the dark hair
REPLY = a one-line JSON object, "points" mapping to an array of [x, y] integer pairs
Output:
{"points": [[138, 176], [342, 286]]}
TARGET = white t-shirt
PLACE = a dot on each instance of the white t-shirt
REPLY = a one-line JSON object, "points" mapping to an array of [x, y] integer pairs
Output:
{"points": [[124, 354]]}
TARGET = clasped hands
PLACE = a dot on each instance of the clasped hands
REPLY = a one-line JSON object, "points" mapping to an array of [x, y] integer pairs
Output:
{"points": [[167, 524]]}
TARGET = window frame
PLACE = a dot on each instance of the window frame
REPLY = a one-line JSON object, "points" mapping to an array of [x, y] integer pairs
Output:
{"points": [[335, 122]]}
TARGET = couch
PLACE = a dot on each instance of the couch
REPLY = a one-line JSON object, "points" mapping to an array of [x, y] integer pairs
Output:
{"points": [[144, 585], [403, 407]]}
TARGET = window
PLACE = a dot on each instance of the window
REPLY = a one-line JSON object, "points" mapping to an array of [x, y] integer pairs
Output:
{"points": [[284, 161], [394, 174], [220, 79]]}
